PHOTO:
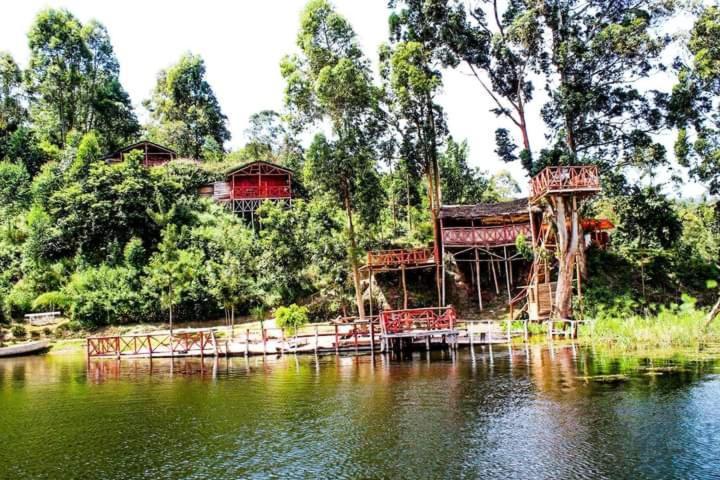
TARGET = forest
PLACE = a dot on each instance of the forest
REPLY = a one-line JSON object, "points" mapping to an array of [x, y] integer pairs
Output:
{"points": [[373, 156]]}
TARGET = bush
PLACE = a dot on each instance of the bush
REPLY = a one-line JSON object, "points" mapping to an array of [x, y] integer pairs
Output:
{"points": [[291, 318], [47, 331], [34, 334], [19, 331], [74, 326], [61, 330]]}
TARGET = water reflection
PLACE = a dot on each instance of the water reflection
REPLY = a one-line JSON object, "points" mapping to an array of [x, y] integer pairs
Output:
{"points": [[527, 411]]}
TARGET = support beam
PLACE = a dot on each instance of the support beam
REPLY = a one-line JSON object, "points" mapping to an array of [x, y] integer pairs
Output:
{"points": [[477, 279]]}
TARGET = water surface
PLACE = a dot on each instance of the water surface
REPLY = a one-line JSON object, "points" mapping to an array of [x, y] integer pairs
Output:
{"points": [[530, 413]]}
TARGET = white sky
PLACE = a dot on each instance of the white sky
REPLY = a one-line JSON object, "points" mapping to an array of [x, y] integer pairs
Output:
{"points": [[242, 43]]}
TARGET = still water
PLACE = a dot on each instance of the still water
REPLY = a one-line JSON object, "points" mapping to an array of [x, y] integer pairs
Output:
{"points": [[531, 413]]}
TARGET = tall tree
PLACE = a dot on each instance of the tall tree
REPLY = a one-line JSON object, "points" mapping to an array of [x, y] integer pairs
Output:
{"points": [[12, 109], [597, 53], [73, 79], [184, 110], [331, 81], [270, 138], [693, 105]]}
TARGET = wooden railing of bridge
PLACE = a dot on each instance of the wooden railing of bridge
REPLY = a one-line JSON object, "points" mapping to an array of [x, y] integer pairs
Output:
{"points": [[566, 179], [420, 319], [155, 344]]}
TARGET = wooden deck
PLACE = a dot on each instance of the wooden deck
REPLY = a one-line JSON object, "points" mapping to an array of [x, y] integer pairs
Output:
{"points": [[576, 180]]}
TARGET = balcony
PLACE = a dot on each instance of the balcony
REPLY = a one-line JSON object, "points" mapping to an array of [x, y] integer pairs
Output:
{"points": [[565, 180], [485, 236]]}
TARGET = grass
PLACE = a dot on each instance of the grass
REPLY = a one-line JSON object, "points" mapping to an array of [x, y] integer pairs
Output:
{"points": [[677, 326]]}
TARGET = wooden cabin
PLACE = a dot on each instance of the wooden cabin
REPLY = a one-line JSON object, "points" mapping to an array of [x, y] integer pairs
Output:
{"points": [[246, 187], [154, 155]]}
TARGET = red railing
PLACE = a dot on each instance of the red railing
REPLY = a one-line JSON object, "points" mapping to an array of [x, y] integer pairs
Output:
{"points": [[486, 236], [264, 191], [150, 344], [381, 258], [433, 318], [565, 179]]}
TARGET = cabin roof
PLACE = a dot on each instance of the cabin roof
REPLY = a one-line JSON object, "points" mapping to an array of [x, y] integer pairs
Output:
{"points": [[245, 166], [480, 210], [138, 146]]}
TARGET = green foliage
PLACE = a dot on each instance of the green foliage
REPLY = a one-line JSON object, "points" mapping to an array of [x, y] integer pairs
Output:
{"points": [[73, 77], [185, 112], [291, 318], [647, 219], [19, 331], [692, 107], [461, 184], [51, 301], [677, 325]]}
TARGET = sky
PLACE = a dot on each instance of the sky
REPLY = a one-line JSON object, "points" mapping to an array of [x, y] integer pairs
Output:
{"points": [[242, 43]]}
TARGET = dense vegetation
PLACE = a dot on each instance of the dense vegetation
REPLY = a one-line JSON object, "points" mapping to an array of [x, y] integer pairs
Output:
{"points": [[120, 243]]}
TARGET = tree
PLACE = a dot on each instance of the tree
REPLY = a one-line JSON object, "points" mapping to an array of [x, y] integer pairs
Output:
{"points": [[330, 80], [12, 109], [461, 184], [73, 79], [14, 190], [184, 110], [171, 271], [693, 102], [291, 318]]}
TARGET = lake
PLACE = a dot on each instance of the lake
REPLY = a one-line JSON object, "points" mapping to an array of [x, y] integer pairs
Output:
{"points": [[534, 412]]}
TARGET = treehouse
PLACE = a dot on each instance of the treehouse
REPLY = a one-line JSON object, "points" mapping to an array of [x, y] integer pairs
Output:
{"points": [[481, 239], [154, 155], [246, 187], [562, 189]]}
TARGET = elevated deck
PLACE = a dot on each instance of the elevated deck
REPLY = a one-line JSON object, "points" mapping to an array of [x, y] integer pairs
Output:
{"points": [[577, 180], [397, 258], [503, 235]]}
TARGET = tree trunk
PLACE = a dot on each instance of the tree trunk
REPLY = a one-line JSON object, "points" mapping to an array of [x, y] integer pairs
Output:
{"points": [[567, 245], [713, 314], [232, 321], [436, 237], [353, 258]]}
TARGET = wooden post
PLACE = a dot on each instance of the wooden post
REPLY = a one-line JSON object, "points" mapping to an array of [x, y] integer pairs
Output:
{"points": [[337, 340], [404, 286], [117, 347], [355, 339], [372, 336], [494, 274], [477, 278], [247, 342], [507, 273], [370, 282], [316, 339], [472, 340], [263, 332], [282, 342]]}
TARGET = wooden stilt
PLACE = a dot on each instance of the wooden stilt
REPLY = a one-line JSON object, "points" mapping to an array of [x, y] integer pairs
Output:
{"points": [[337, 341], [494, 274], [477, 278], [247, 342], [404, 287]]}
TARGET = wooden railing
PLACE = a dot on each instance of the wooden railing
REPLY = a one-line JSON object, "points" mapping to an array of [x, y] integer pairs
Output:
{"points": [[565, 179], [414, 256], [201, 342], [264, 191], [431, 318], [486, 236]]}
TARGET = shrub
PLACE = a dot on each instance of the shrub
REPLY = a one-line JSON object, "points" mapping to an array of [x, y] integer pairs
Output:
{"points": [[74, 326], [47, 331], [34, 334], [291, 318], [19, 331]]}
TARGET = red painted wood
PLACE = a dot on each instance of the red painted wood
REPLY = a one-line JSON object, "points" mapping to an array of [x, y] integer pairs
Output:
{"points": [[565, 179], [397, 321]]}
